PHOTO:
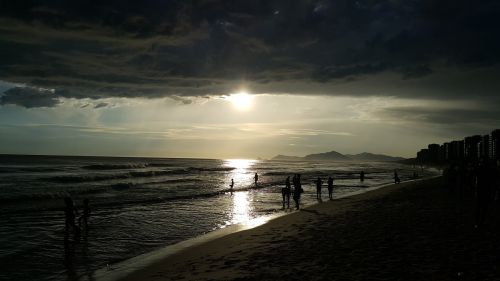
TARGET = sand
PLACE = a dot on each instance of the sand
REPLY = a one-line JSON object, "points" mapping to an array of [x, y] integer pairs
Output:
{"points": [[411, 231]]}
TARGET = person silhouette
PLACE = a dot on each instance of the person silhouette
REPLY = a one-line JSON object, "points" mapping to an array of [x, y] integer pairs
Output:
{"points": [[297, 191], [319, 182], [86, 214], [362, 176], [70, 213], [231, 185], [330, 187], [396, 177], [256, 178]]}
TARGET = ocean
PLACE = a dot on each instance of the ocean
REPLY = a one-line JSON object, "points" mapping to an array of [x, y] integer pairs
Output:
{"points": [[142, 204]]}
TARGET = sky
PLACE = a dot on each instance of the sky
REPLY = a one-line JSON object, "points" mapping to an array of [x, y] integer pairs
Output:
{"points": [[245, 79]]}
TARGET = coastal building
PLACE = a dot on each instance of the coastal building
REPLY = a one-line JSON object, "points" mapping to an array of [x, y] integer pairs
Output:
{"points": [[484, 147], [447, 151], [472, 147], [433, 150], [455, 151], [423, 156], [442, 154], [495, 144]]}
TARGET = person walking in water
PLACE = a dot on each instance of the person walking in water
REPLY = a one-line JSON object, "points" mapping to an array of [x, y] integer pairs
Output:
{"points": [[70, 213], [285, 193], [330, 187], [362, 176], [256, 178], [297, 191], [86, 214], [319, 182], [231, 186], [396, 177]]}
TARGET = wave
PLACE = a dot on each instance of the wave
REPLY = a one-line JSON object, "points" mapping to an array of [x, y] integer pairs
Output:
{"points": [[131, 174], [114, 166], [217, 169], [104, 177], [126, 166], [53, 200], [85, 178], [29, 169]]}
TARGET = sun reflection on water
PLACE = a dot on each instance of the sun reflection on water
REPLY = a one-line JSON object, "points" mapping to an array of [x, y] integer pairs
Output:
{"points": [[242, 173], [239, 164], [241, 208]]}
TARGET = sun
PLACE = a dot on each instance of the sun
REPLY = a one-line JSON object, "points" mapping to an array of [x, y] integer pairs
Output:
{"points": [[241, 101]]}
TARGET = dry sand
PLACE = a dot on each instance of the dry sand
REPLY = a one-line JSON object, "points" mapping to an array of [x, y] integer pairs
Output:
{"points": [[410, 231]]}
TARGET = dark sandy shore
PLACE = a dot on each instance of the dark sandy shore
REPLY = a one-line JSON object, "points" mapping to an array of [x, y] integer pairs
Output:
{"points": [[410, 231]]}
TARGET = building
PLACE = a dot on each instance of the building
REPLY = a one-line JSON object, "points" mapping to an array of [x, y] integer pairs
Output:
{"points": [[495, 144], [423, 156], [484, 147], [442, 154], [472, 147], [433, 153], [455, 151]]}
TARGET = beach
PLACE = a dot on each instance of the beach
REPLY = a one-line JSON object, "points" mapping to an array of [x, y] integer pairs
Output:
{"points": [[410, 231], [141, 205]]}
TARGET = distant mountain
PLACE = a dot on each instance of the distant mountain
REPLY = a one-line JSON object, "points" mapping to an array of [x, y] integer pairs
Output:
{"points": [[365, 156], [330, 156], [336, 156]]}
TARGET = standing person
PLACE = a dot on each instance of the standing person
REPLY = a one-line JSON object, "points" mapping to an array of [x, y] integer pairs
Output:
{"points": [[86, 214], [330, 187], [231, 186], [297, 191], [256, 178], [396, 177], [362, 176], [70, 213], [319, 182]]}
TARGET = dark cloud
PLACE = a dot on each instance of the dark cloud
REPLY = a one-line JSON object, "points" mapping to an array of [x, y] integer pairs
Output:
{"points": [[444, 116], [29, 97], [97, 49], [101, 104], [182, 99]]}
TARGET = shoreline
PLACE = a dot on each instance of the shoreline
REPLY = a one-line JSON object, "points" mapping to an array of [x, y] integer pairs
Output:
{"points": [[122, 270], [414, 231]]}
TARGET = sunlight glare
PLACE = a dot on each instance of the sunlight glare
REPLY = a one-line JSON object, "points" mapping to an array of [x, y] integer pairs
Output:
{"points": [[241, 101], [241, 208], [242, 173]]}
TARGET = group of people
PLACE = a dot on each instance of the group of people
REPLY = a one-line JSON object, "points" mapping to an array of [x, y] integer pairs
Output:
{"points": [[71, 213], [319, 186], [297, 191], [480, 179], [287, 191]]}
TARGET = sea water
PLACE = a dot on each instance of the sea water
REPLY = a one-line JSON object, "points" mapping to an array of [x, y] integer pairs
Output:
{"points": [[141, 204]]}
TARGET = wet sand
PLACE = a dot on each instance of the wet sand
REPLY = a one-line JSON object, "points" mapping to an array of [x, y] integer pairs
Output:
{"points": [[411, 231]]}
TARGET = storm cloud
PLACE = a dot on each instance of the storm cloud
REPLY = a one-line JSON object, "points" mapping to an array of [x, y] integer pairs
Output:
{"points": [[101, 49], [29, 97]]}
